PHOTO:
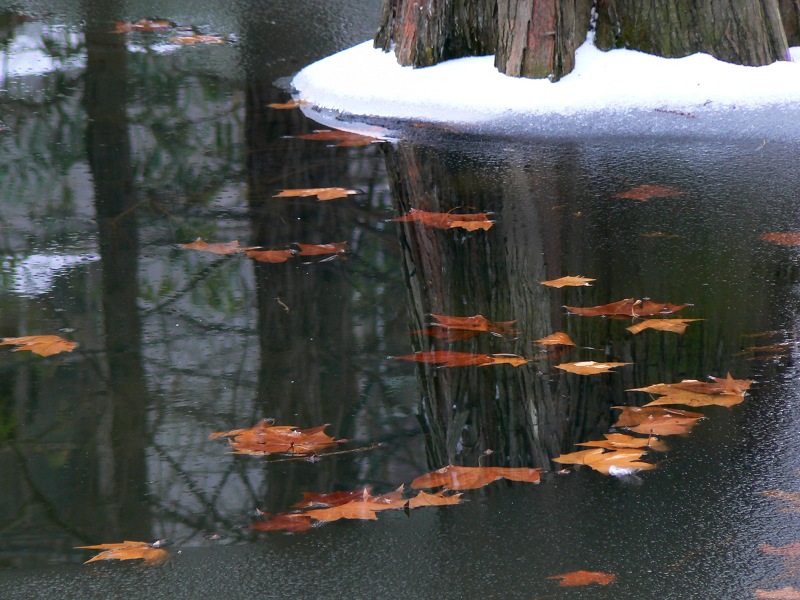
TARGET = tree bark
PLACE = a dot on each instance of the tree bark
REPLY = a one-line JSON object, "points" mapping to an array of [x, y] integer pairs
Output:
{"points": [[741, 32], [538, 38]]}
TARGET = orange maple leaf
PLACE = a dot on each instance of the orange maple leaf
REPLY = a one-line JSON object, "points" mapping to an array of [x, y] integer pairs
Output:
{"points": [[584, 578], [43, 345], [151, 553]]}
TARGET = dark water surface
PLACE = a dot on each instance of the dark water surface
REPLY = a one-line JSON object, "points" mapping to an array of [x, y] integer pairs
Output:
{"points": [[117, 148]]}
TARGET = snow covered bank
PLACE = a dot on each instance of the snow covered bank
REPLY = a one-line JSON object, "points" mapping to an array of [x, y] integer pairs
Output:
{"points": [[620, 91]]}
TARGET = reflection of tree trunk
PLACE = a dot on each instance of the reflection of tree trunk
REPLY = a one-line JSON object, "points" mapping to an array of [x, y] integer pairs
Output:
{"points": [[122, 468], [521, 415]]}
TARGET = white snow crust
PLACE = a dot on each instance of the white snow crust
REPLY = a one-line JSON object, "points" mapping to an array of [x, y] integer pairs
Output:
{"points": [[606, 90]]}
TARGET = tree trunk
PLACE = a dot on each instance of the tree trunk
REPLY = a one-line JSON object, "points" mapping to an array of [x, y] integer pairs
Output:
{"points": [[538, 38], [742, 32]]}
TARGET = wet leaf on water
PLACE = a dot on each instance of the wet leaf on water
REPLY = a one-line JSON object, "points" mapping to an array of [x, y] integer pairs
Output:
{"points": [[447, 220], [216, 248], [320, 249], [143, 25], [790, 550], [559, 338], [196, 38], [628, 307], [436, 499], [286, 105], [453, 358], [672, 325], [266, 438], [475, 323], [364, 506], [270, 256], [622, 461], [782, 238], [786, 593], [128, 550], [43, 345], [589, 367], [725, 392], [568, 281], [293, 522], [615, 441], [647, 192], [792, 498], [576, 578], [329, 193], [343, 138], [317, 500], [469, 478], [656, 420], [507, 359]]}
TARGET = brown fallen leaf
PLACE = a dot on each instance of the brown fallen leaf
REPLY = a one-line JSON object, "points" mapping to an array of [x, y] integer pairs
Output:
{"points": [[143, 25], [197, 38], [646, 192], [568, 281], [790, 550], [786, 593], [628, 307], [447, 358], [329, 193], [656, 420], [437, 499], [344, 138], [218, 248], [43, 345], [576, 578], [558, 338], [782, 238], [317, 500], [589, 367], [793, 498], [320, 249], [506, 359], [615, 441], [672, 325], [622, 461], [448, 220], [266, 438], [361, 508], [270, 256], [690, 392], [475, 323], [286, 105], [469, 478], [128, 550], [294, 522]]}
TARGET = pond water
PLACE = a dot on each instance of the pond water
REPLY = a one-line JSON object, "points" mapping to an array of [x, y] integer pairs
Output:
{"points": [[118, 147]]}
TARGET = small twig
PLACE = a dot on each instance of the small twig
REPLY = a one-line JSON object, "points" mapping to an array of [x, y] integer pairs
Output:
{"points": [[282, 303]]}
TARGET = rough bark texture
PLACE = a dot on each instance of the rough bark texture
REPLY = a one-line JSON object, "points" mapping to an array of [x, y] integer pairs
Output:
{"points": [[538, 38], [747, 32], [790, 15]]}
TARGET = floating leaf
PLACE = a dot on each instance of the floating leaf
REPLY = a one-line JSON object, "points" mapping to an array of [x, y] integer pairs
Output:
{"points": [[627, 308], [656, 420], [785, 593], [447, 358], [673, 325], [623, 461], [344, 138], [448, 220], [784, 238], [690, 392], [320, 249], [558, 338], [589, 367], [576, 578], [363, 507], [218, 248], [470, 478], [286, 105], [475, 323], [506, 359], [270, 256], [316, 500], [646, 192], [791, 550], [43, 345], [197, 38], [568, 281], [437, 499], [793, 498], [143, 25], [615, 441], [329, 193], [150, 553], [265, 438], [294, 522]]}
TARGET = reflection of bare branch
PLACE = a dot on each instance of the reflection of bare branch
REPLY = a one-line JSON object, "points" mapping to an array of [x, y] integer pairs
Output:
{"points": [[193, 283]]}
